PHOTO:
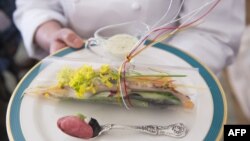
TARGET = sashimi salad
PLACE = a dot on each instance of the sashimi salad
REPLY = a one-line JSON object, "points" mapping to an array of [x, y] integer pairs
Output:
{"points": [[102, 85]]}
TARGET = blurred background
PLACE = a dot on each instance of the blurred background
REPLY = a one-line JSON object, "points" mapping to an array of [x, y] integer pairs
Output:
{"points": [[14, 63]]}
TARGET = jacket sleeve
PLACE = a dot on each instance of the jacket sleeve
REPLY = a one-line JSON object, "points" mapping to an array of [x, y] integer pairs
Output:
{"points": [[30, 14], [214, 42]]}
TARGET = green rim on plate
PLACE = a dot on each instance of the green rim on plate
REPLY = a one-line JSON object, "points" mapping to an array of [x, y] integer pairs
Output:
{"points": [[218, 96]]}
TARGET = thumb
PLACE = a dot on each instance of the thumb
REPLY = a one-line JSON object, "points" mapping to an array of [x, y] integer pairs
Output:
{"points": [[70, 38], [56, 45]]}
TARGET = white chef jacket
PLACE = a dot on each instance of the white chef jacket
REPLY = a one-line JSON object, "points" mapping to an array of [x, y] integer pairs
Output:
{"points": [[215, 42]]}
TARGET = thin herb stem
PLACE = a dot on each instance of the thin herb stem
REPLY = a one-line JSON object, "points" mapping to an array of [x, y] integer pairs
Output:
{"points": [[131, 76]]}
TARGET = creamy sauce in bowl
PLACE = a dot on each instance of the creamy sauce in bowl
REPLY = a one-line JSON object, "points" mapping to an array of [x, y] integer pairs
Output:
{"points": [[119, 45]]}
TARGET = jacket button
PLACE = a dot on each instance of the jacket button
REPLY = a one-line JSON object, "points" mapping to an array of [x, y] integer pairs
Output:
{"points": [[136, 6]]}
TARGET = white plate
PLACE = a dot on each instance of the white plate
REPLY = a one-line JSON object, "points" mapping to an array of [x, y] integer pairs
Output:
{"points": [[32, 118]]}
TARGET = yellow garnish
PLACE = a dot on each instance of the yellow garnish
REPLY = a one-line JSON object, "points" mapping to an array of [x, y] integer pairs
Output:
{"points": [[107, 75], [64, 76], [85, 79], [106, 81], [105, 69], [46, 95]]}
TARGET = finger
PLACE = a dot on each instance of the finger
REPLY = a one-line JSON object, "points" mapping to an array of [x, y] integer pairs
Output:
{"points": [[70, 38], [56, 45]]}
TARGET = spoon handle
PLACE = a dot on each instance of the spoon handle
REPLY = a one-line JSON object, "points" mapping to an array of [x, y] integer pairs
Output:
{"points": [[177, 130]]}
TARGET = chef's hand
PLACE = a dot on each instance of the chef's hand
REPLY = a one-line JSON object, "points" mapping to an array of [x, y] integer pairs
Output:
{"points": [[52, 36]]}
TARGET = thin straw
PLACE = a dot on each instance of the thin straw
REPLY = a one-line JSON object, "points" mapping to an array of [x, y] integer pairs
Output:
{"points": [[135, 51]]}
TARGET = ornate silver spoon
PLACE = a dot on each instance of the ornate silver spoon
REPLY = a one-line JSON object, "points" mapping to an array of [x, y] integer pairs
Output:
{"points": [[82, 127], [177, 130]]}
